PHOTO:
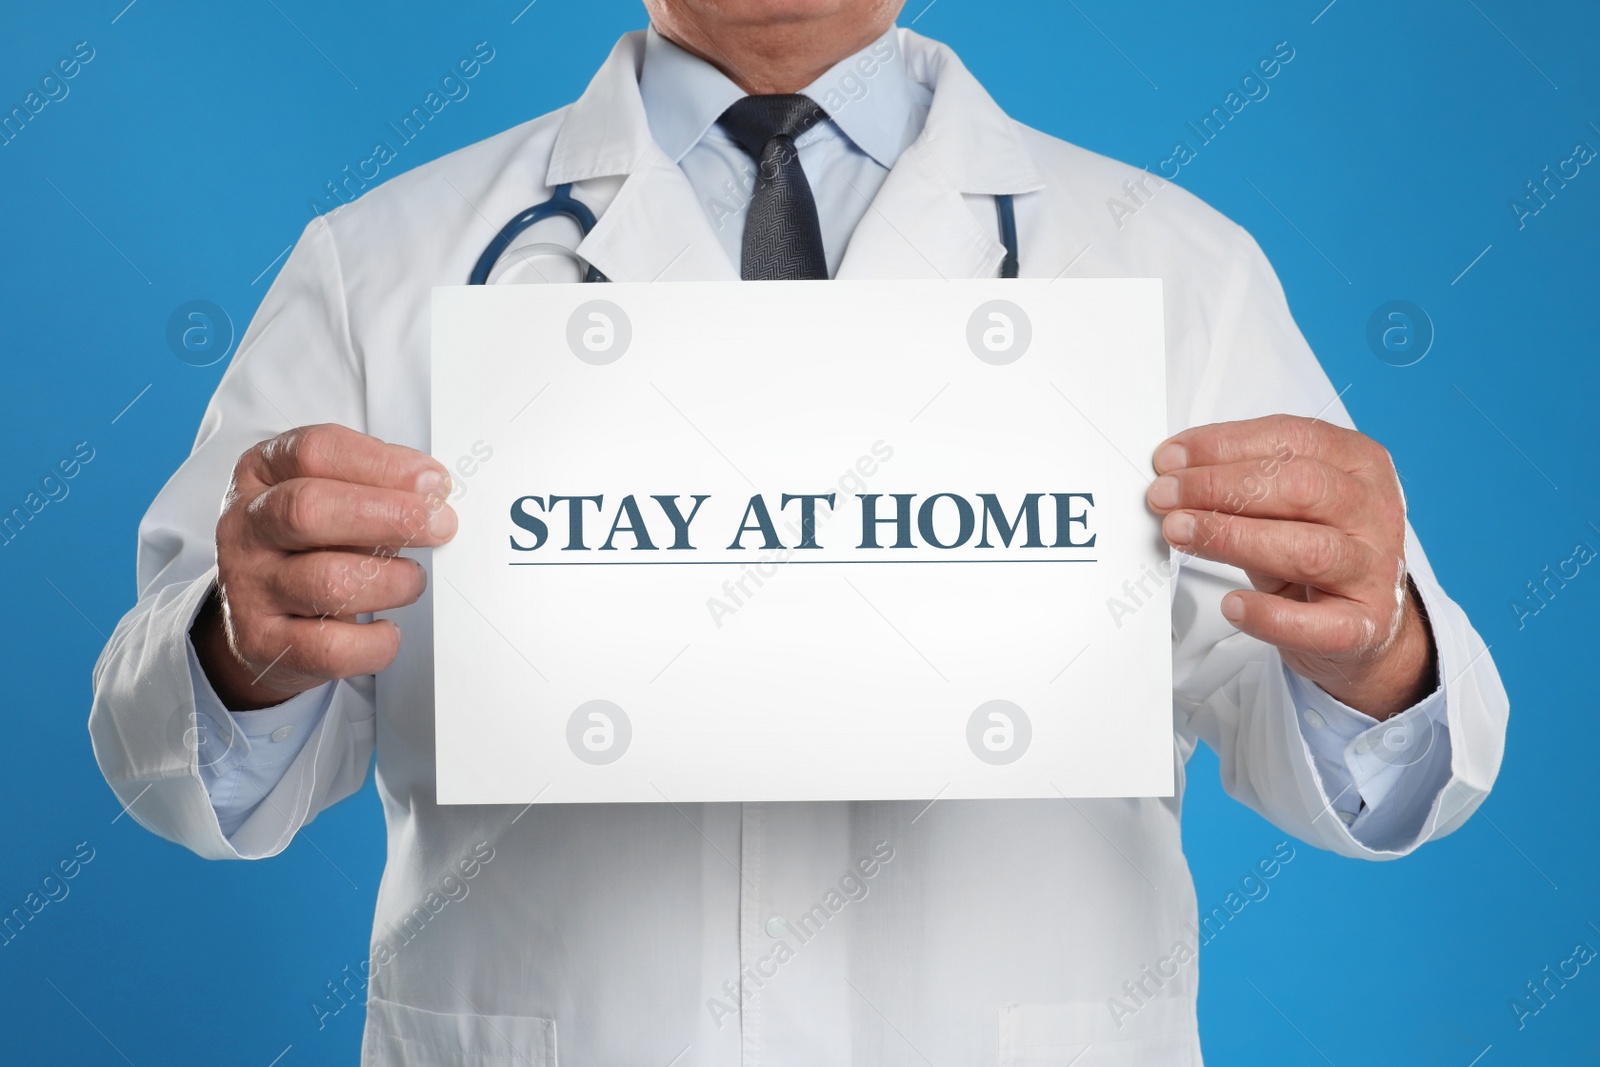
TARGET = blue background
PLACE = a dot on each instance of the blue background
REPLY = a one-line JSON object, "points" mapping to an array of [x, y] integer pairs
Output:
{"points": [[184, 162]]}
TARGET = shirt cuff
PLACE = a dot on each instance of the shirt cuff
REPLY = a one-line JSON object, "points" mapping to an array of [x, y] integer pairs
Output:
{"points": [[243, 755], [1380, 777]]}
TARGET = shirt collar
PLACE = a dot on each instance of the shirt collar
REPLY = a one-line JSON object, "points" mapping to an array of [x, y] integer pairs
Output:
{"points": [[972, 145], [868, 95]]}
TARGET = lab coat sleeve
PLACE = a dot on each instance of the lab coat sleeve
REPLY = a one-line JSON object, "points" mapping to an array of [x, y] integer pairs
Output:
{"points": [[1233, 692], [295, 366]]}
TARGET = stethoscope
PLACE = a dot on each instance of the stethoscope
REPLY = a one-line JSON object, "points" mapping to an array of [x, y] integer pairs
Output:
{"points": [[562, 204]]}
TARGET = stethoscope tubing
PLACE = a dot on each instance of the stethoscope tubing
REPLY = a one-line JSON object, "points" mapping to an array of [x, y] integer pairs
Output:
{"points": [[562, 204]]}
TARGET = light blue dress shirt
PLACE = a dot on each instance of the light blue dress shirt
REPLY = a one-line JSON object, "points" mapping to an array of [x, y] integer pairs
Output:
{"points": [[876, 110]]}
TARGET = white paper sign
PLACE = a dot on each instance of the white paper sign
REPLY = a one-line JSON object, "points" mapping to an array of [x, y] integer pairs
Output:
{"points": [[769, 541]]}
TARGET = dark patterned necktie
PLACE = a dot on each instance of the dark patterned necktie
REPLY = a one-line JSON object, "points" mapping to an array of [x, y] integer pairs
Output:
{"points": [[782, 239]]}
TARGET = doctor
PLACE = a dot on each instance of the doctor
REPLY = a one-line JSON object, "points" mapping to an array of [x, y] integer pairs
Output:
{"points": [[1347, 698]]}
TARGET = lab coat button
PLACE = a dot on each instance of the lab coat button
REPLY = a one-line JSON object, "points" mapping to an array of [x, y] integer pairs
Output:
{"points": [[283, 733], [1364, 746], [1347, 817], [1314, 720], [776, 926]]}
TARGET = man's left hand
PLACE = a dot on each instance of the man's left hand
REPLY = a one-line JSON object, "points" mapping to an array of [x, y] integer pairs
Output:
{"points": [[1314, 516]]}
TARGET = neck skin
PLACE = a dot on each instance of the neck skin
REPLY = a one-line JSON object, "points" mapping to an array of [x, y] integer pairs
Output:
{"points": [[763, 50]]}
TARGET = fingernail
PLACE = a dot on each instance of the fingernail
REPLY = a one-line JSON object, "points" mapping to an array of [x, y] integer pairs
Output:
{"points": [[1180, 528], [1171, 457], [442, 523], [1233, 608], [432, 483], [1164, 492]]}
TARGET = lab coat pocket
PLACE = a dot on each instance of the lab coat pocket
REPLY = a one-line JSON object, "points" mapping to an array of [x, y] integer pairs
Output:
{"points": [[401, 1036], [1161, 1034]]}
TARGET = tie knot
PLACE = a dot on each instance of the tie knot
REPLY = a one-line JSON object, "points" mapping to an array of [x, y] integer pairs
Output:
{"points": [[755, 120]]}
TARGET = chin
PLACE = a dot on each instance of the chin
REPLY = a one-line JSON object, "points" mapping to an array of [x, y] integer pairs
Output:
{"points": [[750, 12]]}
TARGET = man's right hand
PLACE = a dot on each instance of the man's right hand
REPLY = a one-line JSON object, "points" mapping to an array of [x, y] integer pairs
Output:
{"points": [[306, 542]]}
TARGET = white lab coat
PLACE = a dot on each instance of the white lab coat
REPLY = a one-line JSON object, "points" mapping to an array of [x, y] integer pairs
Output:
{"points": [[996, 932]]}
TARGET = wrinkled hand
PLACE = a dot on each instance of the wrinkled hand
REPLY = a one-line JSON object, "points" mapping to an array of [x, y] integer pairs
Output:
{"points": [[307, 541], [1314, 516]]}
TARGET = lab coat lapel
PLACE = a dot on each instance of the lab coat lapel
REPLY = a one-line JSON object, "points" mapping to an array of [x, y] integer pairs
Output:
{"points": [[654, 229], [922, 223], [919, 226]]}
